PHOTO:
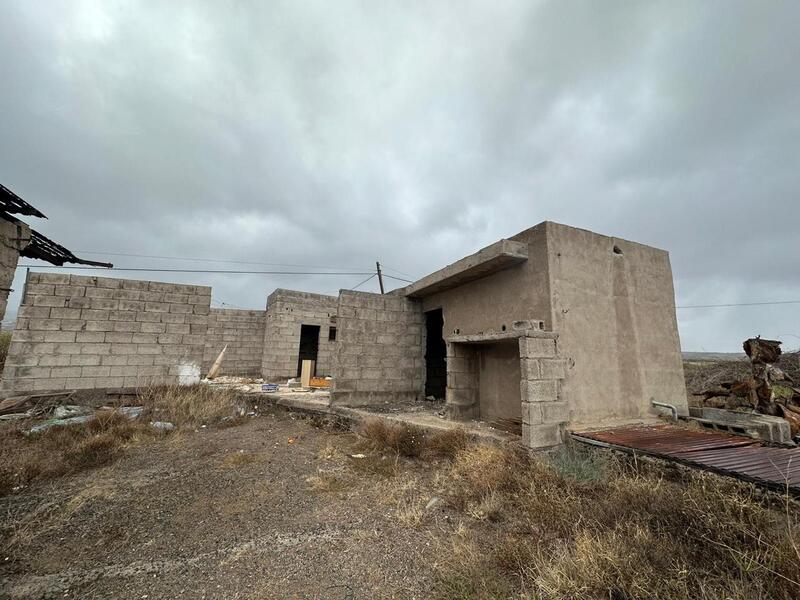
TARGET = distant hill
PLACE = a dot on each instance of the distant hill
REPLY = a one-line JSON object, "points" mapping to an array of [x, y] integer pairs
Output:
{"points": [[713, 356]]}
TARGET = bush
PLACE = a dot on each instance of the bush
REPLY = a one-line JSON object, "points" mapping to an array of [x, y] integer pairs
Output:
{"points": [[5, 342]]}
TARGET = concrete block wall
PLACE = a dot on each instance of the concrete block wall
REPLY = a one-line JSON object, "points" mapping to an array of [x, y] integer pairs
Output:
{"points": [[463, 384], [81, 332], [380, 355], [287, 311], [544, 413], [14, 237], [242, 331]]}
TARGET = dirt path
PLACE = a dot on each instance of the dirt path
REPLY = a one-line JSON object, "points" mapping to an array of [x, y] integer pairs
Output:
{"points": [[274, 508]]}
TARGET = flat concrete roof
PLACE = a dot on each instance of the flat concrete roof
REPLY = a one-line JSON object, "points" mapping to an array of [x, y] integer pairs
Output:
{"points": [[500, 255]]}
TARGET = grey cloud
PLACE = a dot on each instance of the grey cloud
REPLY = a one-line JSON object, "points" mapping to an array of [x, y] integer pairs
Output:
{"points": [[414, 133]]}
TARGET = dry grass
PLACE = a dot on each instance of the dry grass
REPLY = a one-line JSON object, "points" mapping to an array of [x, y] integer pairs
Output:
{"points": [[69, 449], [410, 441], [703, 375], [62, 450], [579, 526], [190, 405]]}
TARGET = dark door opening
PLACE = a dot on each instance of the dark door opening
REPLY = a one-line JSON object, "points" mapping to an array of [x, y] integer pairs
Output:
{"points": [[435, 353], [309, 345]]}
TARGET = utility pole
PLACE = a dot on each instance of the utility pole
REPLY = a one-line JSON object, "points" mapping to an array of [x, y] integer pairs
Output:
{"points": [[380, 275]]}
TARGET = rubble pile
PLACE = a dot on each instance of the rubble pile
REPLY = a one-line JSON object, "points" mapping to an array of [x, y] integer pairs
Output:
{"points": [[768, 390]]}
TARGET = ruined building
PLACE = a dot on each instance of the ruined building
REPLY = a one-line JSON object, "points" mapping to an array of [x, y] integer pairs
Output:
{"points": [[553, 328]]}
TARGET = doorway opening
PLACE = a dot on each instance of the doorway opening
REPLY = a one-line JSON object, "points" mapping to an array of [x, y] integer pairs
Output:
{"points": [[309, 346], [435, 355]]}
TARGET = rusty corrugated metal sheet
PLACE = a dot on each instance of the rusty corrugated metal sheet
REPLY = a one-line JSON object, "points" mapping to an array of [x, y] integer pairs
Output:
{"points": [[728, 454]]}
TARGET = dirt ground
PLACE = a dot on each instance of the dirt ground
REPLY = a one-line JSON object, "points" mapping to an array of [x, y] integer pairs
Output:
{"points": [[274, 508]]}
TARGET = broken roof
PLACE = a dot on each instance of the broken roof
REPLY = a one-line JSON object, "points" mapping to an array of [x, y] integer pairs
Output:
{"points": [[39, 247]]}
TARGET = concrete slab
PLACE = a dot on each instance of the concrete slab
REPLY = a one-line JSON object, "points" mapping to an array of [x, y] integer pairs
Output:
{"points": [[500, 255]]}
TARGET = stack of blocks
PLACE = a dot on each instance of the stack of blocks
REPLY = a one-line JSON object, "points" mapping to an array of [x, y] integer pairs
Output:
{"points": [[242, 332], [79, 332], [544, 415], [380, 352]]}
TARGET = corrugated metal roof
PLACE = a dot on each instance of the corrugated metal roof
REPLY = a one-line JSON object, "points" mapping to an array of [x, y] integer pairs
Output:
{"points": [[721, 452], [14, 205], [46, 249]]}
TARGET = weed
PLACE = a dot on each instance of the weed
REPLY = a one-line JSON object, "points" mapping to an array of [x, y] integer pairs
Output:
{"points": [[190, 405], [399, 438]]}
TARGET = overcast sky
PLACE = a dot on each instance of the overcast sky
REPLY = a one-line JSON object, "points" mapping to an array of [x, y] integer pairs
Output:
{"points": [[336, 133]]}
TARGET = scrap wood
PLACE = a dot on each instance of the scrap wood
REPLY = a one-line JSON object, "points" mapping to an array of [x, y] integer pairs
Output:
{"points": [[214, 370]]}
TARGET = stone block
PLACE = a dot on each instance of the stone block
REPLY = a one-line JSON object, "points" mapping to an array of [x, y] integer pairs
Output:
{"points": [[82, 280], [103, 348], [93, 315], [54, 360], [66, 371], [104, 303], [154, 327], [118, 337], [40, 289]]}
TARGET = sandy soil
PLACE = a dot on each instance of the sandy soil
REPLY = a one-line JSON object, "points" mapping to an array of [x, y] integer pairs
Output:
{"points": [[273, 508]]}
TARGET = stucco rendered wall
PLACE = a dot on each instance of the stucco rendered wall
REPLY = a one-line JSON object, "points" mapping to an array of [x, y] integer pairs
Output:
{"points": [[242, 331], [79, 332], [287, 311], [380, 351], [614, 315], [13, 238], [614, 312]]}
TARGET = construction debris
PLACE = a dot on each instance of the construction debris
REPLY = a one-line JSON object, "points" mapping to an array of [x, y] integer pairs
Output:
{"points": [[759, 392]]}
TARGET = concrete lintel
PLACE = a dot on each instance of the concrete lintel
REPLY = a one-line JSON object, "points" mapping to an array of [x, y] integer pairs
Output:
{"points": [[491, 337], [500, 255]]}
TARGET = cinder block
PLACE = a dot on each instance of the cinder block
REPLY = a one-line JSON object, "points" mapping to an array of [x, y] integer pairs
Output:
{"points": [[90, 336], [82, 280], [157, 307], [59, 336], [541, 436], [51, 301], [95, 348], [85, 360], [55, 278], [79, 302], [95, 292], [73, 325], [104, 303], [533, 347], [65, 313], [69, 290], [555, 412], [66, 371], [68, 348], [40, 289], [43, 325], [126, 326], [156, 327], [133, 284], [530, 368], [114, 361], [93, 315], [118, 337], [555, 368], [99, 326], [34, 312], [545, 390]]}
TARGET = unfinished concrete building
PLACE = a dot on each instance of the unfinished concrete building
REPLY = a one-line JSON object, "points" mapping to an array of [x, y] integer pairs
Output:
{"points": [[555, 328]]}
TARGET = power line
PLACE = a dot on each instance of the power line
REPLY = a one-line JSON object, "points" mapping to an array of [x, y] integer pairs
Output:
{"points": [[397, 278], [218, 260], [395, 270], [217, 271], [365, 281], [741, 304]]}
